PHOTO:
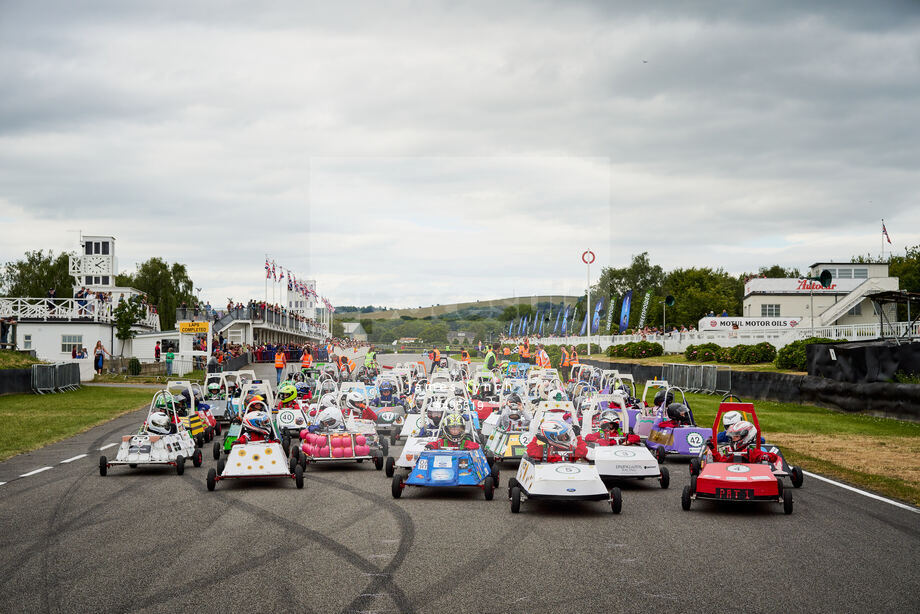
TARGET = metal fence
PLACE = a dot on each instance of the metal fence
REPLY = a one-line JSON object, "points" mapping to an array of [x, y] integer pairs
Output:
{"points": [[708, 379], [59, 377]]}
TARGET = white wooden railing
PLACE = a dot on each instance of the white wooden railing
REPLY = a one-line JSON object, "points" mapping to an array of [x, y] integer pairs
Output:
{"points": [[67, 310]]}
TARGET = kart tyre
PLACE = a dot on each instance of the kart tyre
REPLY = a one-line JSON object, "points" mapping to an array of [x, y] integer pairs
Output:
{"points": [[298, 476], [133, 465], [221, 464], [180, 465], [103, 466], [488, 488], [665, 479], [515, 500], [779, 487], [199, 441], [378, 463], [286, 445], [217, 429], [292, 463], [196, 457], [212, 479], [693, 484], [616, 500], [797, 477], [512, 482], [208, 434], [217, 449], [389, 467], [685, 500], [496, 474], [384, 447], [660, 454], [397, 486], [695, 466], [295, 453], [303, 461], [787, 502]]}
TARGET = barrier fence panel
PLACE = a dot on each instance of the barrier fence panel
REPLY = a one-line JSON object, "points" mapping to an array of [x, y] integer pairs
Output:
{"points": [[723, 380], [67, 376], [708, 378], [43, 378]]}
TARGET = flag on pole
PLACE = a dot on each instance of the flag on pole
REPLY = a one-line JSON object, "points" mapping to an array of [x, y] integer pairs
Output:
{"points": [[885, 233], [565, 319], [274, 277], [268, 270], [624, 312], [596, 322], [510, 326], [282, 273], [584, 324], [556, 327]]}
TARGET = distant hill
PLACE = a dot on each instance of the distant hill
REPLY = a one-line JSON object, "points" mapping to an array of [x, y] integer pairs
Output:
{"points": [[469, 307]]}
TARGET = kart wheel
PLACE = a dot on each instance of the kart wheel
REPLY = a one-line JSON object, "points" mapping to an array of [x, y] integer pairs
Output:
{"points": [[216, 449], [397, 486], [217, 428], [212, 478], [787, 501], [133, 465], [796, 476], [616, 500], [199, 441], [394, 439], [208, 434], [303, 461], [660, 454], [389, 467], [515, 500], [695, 466], [221, 464], [360, 460], [103, 465], [292, 463], [488, 488], [692, 484], [298, 476], [378, 463], [384, 447], [665, 478], [180, 465], [196, 458], [286, 445], [779, 487], [512, 482], [295, 453]]}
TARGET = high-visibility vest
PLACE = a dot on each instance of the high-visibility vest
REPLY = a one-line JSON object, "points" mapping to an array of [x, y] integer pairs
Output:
{"points": [[543, 359], [280, 360], [565, 358], [525, 351], [464, 356], [506, 351], [306, 361], [574, 359], [437, 355]]}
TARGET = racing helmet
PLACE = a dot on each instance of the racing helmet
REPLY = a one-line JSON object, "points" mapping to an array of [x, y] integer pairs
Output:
{"points": [[162, 401], [434, 411], [679, 413], [458, 390], [455, 374], [158, 423], [514, 402], [257, 422], [213, 388], [730, 418], [456, 405], [327, 400], [302, 389], [558, 434], [741, 435], [354, 402], [255, 402], [327, 386], [558, 395], [287, 392], [330, 418], [386, 388], [609, 421], [454, 427], [663, 397]]}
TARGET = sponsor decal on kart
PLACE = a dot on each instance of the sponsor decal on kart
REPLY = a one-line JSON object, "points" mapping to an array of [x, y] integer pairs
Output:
{"points": [[624, 453], [568, 469], [443, 461], [694, 440], [286, 416], [423, 464], [738, 468]]}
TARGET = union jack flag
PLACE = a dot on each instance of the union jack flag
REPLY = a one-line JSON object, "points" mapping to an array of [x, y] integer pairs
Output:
{"points": [[885, 232], [275, 277], [268, 271]]}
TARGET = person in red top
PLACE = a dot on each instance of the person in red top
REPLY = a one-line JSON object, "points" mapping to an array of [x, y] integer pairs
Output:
{"points": [[677, 414], [256, 427], [742, 436], [609, 432], [453, 436], [556, 443]]}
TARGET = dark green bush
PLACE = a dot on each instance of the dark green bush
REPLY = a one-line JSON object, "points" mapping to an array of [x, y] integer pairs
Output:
{"points": [[134, 367], [793, 356], [635, 349]]}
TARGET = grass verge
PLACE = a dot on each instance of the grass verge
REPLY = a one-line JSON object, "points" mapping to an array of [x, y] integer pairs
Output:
{"points": [[29, 421], [879, 454], [11, 359], [114, 378], [679, 358]]}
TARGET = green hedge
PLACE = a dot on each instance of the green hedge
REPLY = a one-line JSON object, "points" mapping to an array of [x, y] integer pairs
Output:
{"points": [[793, 356], [636, 349], [739, 354]]}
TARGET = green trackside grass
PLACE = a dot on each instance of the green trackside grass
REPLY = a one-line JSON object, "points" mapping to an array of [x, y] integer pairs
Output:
{"points": [[29, 421], [10, 359], [879, 454], [197, 375]]}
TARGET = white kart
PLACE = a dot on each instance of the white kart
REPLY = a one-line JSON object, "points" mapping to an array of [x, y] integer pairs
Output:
{"points": [[561, 481], [623, 461], [147, 447]]}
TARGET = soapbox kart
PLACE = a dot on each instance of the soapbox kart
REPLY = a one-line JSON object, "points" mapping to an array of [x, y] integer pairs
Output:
{"points": [[357, 442], [685, 440], [150, 448], [621, 461], [735, 481], [562, 481], [256, 460]]}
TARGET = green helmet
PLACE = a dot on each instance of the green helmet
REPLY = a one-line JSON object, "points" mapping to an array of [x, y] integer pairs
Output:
{"points": [[160, 402], [214, 387], [453, 427], [288, 392]]}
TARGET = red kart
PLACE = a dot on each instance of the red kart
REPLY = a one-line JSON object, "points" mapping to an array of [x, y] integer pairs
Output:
{"points": [[738, 480]]}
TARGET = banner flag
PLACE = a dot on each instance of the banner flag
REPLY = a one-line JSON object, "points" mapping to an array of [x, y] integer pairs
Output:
{"points": [[556, 327], [610, 315], [596, 322], [565, 320], [644, 312], [624, 312]]}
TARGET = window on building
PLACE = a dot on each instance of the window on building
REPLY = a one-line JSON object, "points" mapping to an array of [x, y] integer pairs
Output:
{"points": [[69, 342], [88, 247], [844, 273], [105, 280], [856, 310], [105, 248], [97, 247], [860, 273], [89, 280], [27, 342], [769, 311]]}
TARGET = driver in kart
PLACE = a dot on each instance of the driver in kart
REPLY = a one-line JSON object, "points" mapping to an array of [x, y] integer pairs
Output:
{"points": [[453, 436], [214, 390], [730, 418], [160, 424], [256, 427], [329, 419], [557, 443], [677, 414], [514, 416], [357, 408], [304, 391], [287, 395], [386, 396], [608, 433], [742, 436]]}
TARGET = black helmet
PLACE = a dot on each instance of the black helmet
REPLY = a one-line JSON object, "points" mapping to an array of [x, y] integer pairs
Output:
{"points": [[679, 413], [660, 398]]}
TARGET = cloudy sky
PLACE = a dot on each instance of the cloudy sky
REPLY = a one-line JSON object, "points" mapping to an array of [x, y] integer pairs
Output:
{"points": [[409, 153]]}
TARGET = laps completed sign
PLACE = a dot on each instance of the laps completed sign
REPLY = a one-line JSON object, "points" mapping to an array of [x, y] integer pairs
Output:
{"points": [[194, 327], [747, 323]]}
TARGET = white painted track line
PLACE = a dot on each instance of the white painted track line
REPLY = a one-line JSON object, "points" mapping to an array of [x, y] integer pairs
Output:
{"points": [[33, 472], [108, 446], [2, 483], [904, 506], [77, 457]]}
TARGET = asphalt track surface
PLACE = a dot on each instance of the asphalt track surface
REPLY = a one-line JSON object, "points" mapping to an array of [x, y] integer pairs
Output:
{"points": [[152, 541]]}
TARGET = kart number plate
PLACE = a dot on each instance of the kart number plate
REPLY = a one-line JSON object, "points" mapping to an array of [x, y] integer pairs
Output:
{"points": [[735, 493], [443, 462]]}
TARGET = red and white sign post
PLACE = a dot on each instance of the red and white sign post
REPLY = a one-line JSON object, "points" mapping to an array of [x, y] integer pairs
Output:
{"points": [[588, 258]]}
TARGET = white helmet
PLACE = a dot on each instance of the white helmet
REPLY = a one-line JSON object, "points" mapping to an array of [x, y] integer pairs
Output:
{"points": [[330, 418], [327, 400], [730, 418], [158, 423], [354, 402], [741, 434], [435, 410]]}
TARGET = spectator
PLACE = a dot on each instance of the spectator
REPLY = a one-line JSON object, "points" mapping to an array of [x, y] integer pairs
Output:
{"points": [[169, 360], [724, 313], [98, 356], [156, 353]]}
